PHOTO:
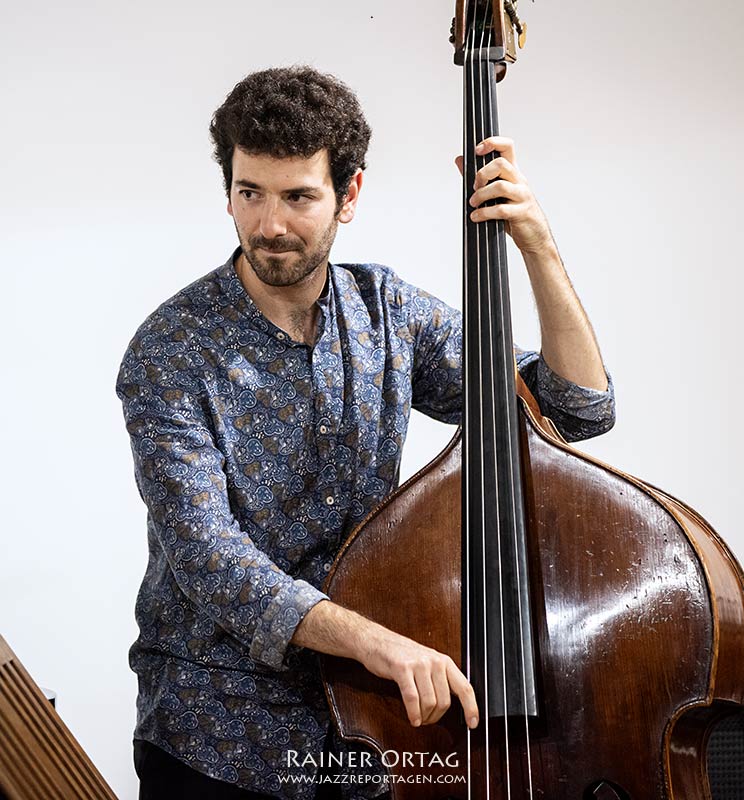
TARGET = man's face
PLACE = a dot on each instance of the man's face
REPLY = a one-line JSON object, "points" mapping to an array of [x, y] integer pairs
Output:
{"points": [[284, 211]]}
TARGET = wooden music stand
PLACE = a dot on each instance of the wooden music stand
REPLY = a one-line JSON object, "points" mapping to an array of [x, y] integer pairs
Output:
{"points": [[39, 758]]}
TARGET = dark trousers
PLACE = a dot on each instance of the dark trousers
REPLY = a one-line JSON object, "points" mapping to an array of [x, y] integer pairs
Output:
{"points": [[163, 777]]}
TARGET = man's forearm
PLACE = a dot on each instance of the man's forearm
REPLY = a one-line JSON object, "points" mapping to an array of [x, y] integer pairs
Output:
{"points": [[425, 677], [335, 630], [569, 346]]}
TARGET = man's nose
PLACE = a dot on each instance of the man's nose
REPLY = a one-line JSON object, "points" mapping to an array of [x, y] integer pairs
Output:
{"points": [[273, 221]]}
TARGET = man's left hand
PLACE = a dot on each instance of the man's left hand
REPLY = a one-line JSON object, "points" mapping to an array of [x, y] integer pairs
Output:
{"points": [[500, 178]]}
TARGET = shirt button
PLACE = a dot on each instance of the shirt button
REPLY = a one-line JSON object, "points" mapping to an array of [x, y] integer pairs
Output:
{"points": [[329, 501], [280, 335], [326, 567], [323, 429]]}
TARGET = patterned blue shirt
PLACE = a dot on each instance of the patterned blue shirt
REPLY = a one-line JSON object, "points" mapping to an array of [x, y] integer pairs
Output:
{"points": [[256, 456]]}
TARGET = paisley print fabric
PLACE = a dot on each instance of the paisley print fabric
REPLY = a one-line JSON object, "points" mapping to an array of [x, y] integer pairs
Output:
{"points": [[256, 456]]}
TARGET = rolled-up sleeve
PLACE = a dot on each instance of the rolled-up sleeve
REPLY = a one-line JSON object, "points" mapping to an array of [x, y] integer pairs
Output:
{"points": [[180, 476], [579, 412]]}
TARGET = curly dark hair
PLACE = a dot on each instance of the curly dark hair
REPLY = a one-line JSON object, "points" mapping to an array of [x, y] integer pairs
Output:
{"points": [[293, 111]]}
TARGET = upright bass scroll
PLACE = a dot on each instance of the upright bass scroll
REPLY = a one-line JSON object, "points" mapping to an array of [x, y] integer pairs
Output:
{"points": [[507, 32]]}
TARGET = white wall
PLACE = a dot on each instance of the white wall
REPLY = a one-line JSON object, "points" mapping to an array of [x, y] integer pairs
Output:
{"points": [[629, 126]]}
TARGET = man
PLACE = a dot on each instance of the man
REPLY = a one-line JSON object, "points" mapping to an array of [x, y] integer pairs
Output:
{"points": [[267, 405]]}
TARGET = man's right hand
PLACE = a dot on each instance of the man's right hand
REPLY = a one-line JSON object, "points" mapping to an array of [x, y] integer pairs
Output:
{"points": [[427, 678]]}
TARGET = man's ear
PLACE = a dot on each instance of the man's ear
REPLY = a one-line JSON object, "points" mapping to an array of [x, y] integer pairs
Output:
{"points": [[346, 214], [229, 207]]}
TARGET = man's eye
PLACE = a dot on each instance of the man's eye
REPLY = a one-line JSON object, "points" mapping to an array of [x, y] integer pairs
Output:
{"points": [[299, 198], [247, 193]]}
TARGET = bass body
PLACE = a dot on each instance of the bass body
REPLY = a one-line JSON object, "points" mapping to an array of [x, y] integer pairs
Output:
{"points": [[638, 614]]}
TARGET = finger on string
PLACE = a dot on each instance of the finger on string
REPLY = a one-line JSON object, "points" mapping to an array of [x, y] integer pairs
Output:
{"points": [[505, 211], [464, 691], [498, 168], [515, 192], [500, 144]]}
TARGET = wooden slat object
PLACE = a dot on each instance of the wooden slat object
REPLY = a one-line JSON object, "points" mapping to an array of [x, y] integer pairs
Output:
{"points": [[39, 758]]}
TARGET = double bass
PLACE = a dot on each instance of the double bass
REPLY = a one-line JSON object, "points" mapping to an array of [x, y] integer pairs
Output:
{"points": [[599, 619]]}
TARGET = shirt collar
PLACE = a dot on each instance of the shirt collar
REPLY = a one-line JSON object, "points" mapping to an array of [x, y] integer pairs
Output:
{"points": [[233, 287]]}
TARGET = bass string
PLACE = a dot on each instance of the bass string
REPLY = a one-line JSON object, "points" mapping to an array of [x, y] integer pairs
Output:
{"points": [[476, 83], [474, 383], [507, 361], [486, 102], [469, 169], [486, 245], [471, 387], [466, 425]]}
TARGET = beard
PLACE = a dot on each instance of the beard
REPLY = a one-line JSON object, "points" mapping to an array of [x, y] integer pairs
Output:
{"points": [[297, 262]]}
